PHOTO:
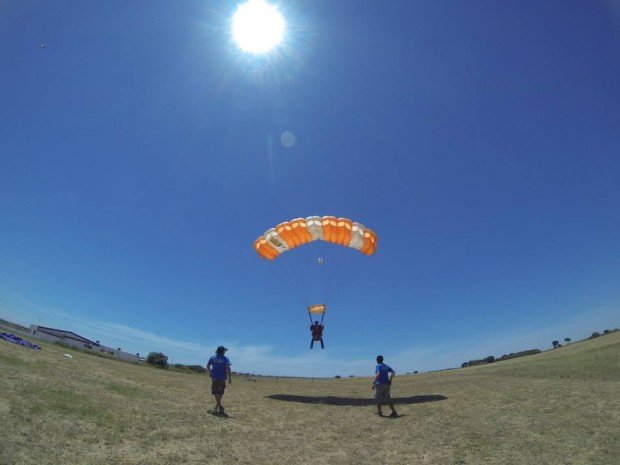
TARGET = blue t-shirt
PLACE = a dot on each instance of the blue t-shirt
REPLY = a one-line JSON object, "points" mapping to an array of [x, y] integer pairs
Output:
{"points": [[218, 364], [383, 371]]}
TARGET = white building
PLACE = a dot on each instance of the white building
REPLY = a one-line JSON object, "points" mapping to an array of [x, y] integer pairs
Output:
{"points": [[78, 342]]}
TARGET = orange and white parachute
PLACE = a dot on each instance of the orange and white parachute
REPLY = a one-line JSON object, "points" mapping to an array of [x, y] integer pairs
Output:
{"points": [[300, 231]]}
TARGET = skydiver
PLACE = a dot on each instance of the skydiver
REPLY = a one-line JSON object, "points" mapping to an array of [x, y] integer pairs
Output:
{"points": [[317, 334]]}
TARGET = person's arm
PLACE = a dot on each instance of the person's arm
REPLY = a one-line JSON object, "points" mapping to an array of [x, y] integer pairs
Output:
{"points": [[209, 368], [229, 373], [374, 381], [392, 374]]}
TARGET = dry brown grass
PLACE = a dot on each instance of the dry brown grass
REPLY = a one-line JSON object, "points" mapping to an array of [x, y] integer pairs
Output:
{"points": [[559, 407]]}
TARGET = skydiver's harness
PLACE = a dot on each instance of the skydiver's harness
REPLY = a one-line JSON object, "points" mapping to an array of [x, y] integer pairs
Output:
{"points": [[317, 333]]}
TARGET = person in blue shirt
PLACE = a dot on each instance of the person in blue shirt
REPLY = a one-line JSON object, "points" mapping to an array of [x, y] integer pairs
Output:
{"points": [[381, 385], [218, 368]]}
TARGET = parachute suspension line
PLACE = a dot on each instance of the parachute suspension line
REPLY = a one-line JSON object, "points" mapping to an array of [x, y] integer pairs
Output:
{"points": [[282, 272], [293, 273], [327, 275], [310, 278], [279, 278], [345, 263], [323, 280], [299, 279], [304, 277], [284, 269], [338, 274]]}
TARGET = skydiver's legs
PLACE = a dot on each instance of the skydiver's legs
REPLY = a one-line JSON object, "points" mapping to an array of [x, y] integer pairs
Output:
{"points": [[311, 343], [322, 345]]}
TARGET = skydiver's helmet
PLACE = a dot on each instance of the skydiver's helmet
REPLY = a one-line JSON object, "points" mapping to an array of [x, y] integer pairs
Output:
{"points": [[316, 322], [220, 350]]}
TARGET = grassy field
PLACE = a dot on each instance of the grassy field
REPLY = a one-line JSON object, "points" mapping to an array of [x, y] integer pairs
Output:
{"points": [[558, 407]]}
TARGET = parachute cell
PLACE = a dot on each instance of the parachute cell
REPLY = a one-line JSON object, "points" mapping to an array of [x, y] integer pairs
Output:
{"points": [[300, 231]]}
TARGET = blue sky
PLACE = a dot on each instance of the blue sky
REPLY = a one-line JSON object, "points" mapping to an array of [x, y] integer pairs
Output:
{"points": [[140, 156]]}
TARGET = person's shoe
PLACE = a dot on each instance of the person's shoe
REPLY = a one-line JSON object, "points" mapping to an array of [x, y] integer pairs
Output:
{"points": [[380, 414], [393, 414], [214, 412]]}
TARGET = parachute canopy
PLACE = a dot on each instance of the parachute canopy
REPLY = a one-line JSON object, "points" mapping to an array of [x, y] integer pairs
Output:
{"points": [[300, 231], [317, 309]]}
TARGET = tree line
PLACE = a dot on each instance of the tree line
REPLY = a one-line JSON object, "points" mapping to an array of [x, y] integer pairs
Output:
{"points": [[492, 359], [594, 335], [160, 360]]}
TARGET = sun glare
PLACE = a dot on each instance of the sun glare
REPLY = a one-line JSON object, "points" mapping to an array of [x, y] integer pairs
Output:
{"points": [[257, 27]]}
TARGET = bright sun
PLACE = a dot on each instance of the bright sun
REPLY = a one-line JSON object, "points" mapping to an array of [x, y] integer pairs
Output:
{"points": [[257, 26]]}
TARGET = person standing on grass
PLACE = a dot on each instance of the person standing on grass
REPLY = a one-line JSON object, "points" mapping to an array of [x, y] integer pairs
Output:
{"points": [[381, 385], [218, 368]]}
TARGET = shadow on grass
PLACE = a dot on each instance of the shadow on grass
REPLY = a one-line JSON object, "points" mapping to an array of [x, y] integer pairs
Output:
{"points": [[352, 401]]}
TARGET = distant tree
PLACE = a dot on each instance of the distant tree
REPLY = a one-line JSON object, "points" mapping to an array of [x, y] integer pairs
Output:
{"points": [[555, 344], [337, 376], [606, 331], [157, 359], [351, 376], [415, 372], [567, 340], [197, 368], [464, 364], [594, 334]]}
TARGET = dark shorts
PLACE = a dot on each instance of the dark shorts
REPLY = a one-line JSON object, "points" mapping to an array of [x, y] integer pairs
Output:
{"points": [[382, 393], [218, 386]]}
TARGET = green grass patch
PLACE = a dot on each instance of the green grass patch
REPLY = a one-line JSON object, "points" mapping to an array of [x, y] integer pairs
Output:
{"points": [[124, 390], [11, 361], [64, 403]]}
